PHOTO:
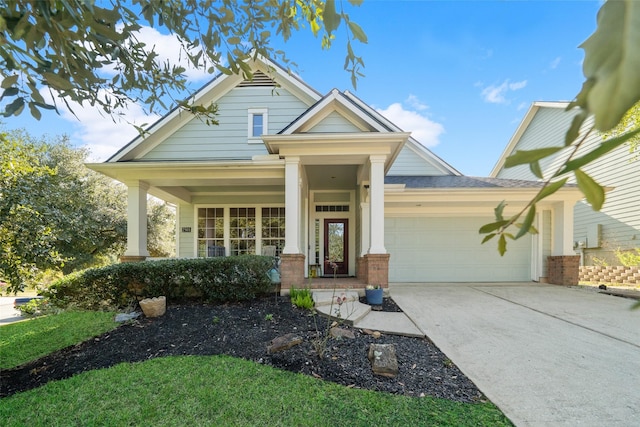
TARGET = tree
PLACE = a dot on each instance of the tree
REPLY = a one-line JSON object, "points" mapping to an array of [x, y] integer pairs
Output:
{"points": [[609, 94], [27, 241], [87, 53], [55, 213]]}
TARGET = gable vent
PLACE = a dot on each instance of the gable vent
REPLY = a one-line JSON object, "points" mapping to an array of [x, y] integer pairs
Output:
{"points": [[260, 79]]}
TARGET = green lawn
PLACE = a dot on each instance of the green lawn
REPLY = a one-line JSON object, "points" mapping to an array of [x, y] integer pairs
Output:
{"points": [[209, 390], [28, 340]]}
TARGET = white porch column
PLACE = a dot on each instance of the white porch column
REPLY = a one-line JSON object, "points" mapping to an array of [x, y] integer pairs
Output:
{"points": [[376, 194], [137, 219], [292, 205], [364, 228], [562, 224]]}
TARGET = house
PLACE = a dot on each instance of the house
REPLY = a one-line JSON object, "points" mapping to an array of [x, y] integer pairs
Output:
{"points": [[596, 234], [351, 188]]}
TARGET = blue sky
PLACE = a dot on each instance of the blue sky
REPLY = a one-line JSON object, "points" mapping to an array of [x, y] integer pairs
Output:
{"points": [[459, 74]]}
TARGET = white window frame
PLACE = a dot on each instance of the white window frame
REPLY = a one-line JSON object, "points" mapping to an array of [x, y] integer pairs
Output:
{"points": [[265, 124]]}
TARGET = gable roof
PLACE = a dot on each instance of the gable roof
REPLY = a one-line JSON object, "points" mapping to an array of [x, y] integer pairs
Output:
{"points": [[220, 85], [451, 181], [522, 127]]}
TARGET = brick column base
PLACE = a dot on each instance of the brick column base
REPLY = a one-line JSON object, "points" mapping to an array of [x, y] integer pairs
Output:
{"points": [[373, 269], [563, 269], [291, 271], [132, 258]]}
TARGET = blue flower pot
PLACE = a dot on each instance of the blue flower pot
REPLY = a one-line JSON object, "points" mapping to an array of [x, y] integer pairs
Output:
{"points": [[374, 296]]}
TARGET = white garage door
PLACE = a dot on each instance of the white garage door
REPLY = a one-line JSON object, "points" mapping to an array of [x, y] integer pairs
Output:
{"points": [[449, 250]]}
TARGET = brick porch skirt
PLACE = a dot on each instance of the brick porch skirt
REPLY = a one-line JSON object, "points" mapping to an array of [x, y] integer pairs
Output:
{"points": [[373, 269]]}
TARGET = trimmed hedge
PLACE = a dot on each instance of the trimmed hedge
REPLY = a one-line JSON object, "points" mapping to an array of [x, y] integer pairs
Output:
{"points": [[220, 279]]}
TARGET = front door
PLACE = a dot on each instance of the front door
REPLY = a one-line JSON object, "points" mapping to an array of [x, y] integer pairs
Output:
{"points": [[336, 246]]}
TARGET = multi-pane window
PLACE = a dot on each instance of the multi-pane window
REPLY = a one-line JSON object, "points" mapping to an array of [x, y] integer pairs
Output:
{"points": [[273, 228], [242, 231], [210, 232]]}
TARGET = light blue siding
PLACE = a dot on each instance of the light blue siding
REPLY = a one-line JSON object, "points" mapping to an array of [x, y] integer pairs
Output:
{"points": [[547, 129], [410, 163], [620, 216], [229, 140], [186, 240], [333, 123]]}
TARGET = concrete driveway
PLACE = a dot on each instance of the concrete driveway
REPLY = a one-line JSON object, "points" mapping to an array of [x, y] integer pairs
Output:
{"points": [[546, 355]]}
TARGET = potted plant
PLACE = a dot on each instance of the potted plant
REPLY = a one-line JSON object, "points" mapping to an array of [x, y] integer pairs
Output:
{"points": [[374, 294]]}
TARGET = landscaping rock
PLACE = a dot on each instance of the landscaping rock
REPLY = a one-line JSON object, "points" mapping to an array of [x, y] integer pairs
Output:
{"points": [[383, 360], [125, 317], [154, 307], [342, 333], [283, 343]]}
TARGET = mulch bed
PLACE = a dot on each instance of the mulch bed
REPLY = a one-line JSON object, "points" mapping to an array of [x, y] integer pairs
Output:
{"points": [[245, 330]]}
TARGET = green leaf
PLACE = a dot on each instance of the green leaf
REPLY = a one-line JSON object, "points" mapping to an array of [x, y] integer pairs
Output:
{"points": [[12, 91], [603, 149], [611, 62], [591, 189], [550, 189], [574, 130], [488, 228], [9, 81], [528, 222], [499, 209], [358, 33], [34, 111], [535, 169], [329, 16], [57, 82], [502, 245], [488, 237], [521, 157]]}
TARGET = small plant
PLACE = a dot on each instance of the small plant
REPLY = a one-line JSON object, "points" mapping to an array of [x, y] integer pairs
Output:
{"points": [[629, 258], [38, 307], [215, 320], [372, 287], [268, 317], [301, 298]]}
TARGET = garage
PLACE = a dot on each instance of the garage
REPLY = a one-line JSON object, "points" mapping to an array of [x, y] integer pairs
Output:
{"points": [[448, 249]]}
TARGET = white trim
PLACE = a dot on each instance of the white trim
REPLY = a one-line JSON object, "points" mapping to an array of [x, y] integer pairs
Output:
{"points": [[227, 222]]}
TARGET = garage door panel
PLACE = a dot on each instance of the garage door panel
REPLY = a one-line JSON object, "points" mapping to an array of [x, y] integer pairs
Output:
{"points": [[449, 249]]}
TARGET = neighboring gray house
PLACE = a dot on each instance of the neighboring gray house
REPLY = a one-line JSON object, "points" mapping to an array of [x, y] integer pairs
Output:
{"points": [[595, 234], [350, 186]]}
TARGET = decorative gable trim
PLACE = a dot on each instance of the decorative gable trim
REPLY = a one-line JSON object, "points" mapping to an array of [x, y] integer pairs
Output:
{"points": [[259, 79]]}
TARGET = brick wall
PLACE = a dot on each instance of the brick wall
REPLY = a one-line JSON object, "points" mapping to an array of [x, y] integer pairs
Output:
{"points": [[563, 269], [610, 274], [373, 269], [291, 270]]}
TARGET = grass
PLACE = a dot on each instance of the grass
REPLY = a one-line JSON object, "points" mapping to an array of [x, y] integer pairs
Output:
{"points": [[28, 340], [202, 390], [221, 390]]}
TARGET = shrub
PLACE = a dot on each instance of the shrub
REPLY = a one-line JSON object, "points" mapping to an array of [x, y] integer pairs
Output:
{"points": [[301, 298], [122, 285]]}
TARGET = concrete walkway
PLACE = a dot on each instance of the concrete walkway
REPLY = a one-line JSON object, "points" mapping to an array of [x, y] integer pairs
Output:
{"points": [[359, 315], [546, 355]]}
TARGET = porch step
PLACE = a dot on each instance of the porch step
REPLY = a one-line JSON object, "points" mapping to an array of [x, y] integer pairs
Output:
{"points": [[349, 312], [354, 313]]}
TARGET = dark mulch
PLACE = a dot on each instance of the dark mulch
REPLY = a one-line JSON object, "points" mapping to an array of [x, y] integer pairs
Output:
{"points": [[244, 330]]}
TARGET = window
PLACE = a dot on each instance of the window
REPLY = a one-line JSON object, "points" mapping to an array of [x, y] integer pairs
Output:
{"points": [[210, 231], [273, 228], [243, 231], [258, 124]]}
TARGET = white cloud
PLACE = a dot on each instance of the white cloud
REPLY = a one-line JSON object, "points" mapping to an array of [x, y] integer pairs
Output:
{"points": [[94, 129], [422, 128], [554, 64], [498, 94]]}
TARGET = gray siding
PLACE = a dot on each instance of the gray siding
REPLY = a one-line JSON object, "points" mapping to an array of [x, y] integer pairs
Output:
{"points": [[333, 123], [410, 163], [229, 139]]}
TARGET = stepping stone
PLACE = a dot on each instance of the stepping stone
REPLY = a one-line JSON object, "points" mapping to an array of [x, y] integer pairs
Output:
{"points": [[383, 360]]}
